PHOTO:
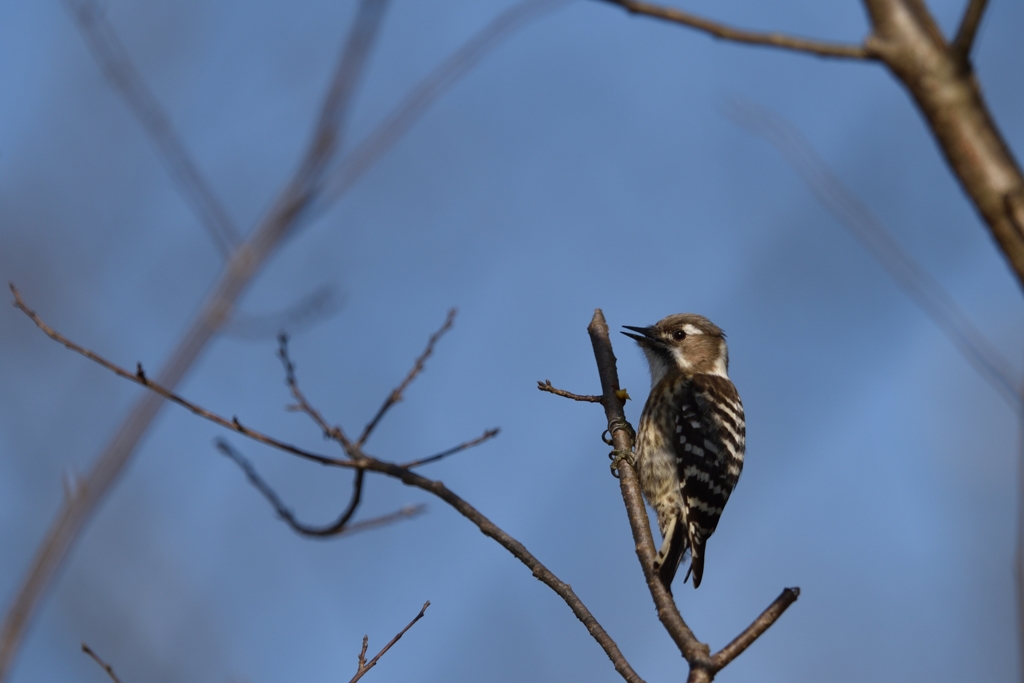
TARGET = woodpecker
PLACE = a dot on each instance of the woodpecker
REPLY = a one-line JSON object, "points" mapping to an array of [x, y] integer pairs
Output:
{"points": [[690, 445]]}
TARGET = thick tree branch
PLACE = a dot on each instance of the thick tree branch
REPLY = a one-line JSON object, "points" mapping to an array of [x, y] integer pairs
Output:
{"points": [[881, 243], [908, 41], [365, 666], [724, 32], [359, 460]]}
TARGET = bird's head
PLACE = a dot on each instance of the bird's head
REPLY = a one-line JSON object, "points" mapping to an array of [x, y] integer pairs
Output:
{"points": [[685, 342]]}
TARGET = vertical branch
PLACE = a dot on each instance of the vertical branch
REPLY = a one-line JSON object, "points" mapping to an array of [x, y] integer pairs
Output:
{"points": [[948, 96], [695, 652]]}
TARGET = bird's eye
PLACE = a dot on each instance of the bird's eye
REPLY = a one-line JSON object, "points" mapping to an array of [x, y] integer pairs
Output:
{"points": [[678, 335]]}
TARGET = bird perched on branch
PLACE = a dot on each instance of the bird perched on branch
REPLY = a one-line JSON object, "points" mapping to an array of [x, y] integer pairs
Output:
{"points": [[690, 445]]}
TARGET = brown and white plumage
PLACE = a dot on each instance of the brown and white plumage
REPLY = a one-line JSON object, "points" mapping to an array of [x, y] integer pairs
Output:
{"points": [[692, 436]]}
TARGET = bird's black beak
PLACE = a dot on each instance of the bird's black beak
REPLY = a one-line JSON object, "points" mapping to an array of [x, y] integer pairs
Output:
{"points": [[646, 334]]}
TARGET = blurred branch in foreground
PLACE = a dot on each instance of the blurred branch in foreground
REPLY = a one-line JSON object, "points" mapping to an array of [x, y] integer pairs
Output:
{"points": [[289, 211]]}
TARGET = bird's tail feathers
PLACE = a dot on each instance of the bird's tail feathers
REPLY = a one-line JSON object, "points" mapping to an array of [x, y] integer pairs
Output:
{"points": [[672, 555]]}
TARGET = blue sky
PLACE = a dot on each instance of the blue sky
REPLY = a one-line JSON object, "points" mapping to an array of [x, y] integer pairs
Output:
{"points": [[587, 162]]}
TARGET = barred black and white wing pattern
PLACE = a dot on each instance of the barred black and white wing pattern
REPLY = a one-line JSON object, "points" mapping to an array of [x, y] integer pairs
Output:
{"points": [[709, 450]]}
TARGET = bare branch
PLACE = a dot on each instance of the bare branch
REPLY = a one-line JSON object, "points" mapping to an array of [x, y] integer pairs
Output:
{"points": [[365, 666], [139, 377], [288, 212], [333, 529], [879, 241], [909, 42], [106, 667], [330, 431], [486, 436], [754, 631], [703, 667], [116, 65], [341, 527], [964, 40], [396, 394], [692, 649], [360, 461], [718, 30], [546, 386], [244, 263]]}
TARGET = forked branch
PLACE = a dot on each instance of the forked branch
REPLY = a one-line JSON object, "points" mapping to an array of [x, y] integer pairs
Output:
{"points": [[364, 665], [964, 40], [703, 666], [360, 461], [396, 394]]}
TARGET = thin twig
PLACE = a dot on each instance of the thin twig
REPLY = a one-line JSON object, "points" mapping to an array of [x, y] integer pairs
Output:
{"points": [[872, 233], [139, 377], [360, 460], [106, 667], [341, 527], [546, 386], [718, 30], [734, 649], [365, 666], [333, 529], [404, 512], [312, 308], [486, 436], [117, 66], [396, 394], [330, 431], [965, 35]]}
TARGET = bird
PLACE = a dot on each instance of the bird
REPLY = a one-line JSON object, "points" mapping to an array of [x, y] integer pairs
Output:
{"points": [[692, 437]]}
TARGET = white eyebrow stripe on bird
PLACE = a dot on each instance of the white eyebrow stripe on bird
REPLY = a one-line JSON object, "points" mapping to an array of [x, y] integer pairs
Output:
{"points": [[692, 329]]}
